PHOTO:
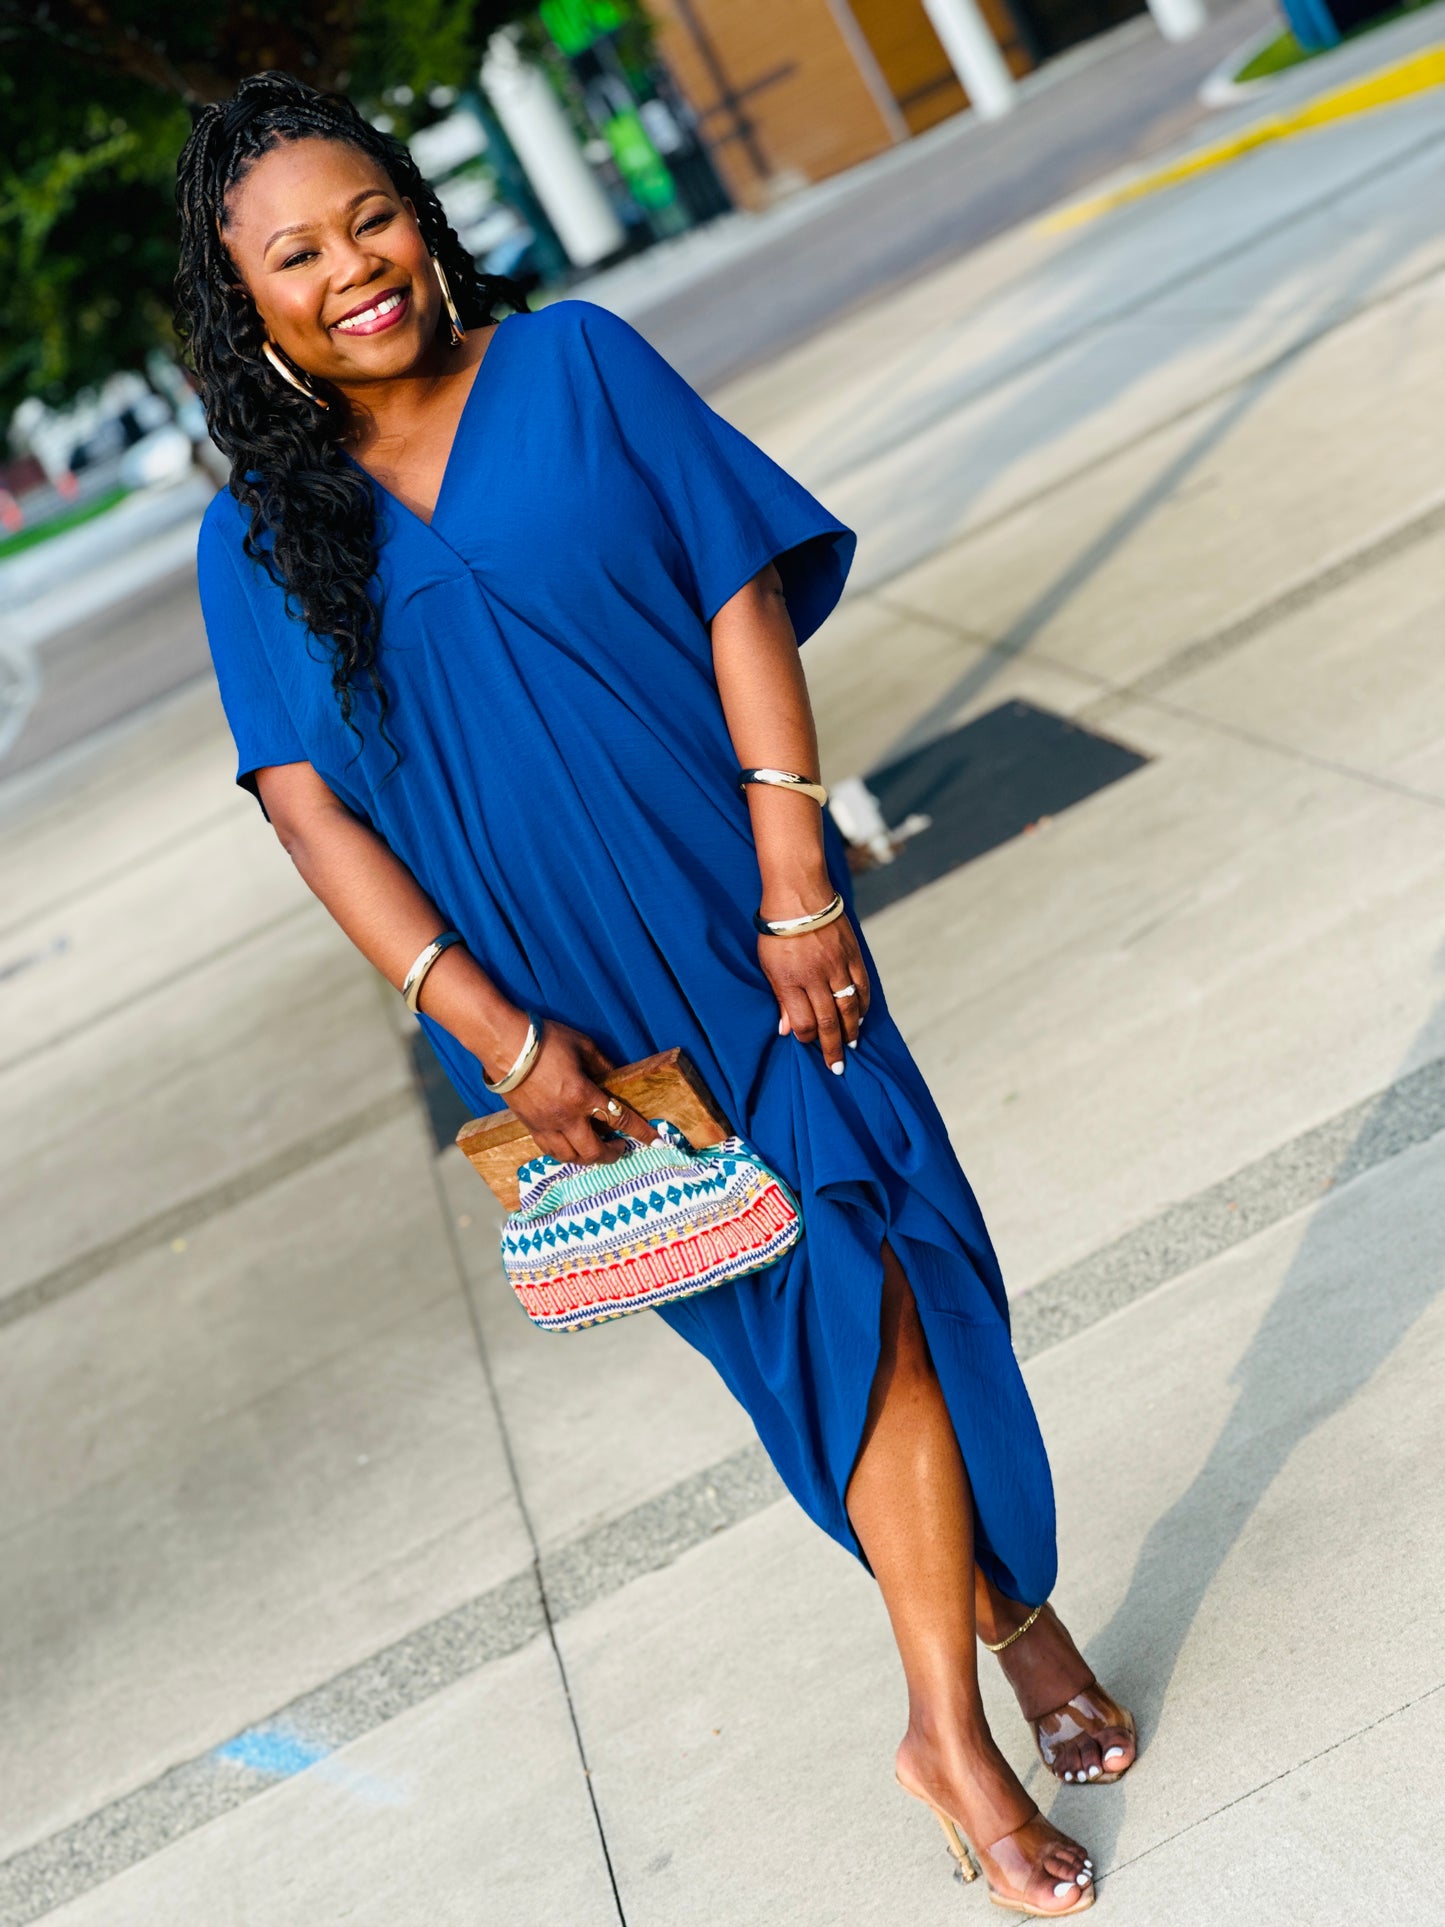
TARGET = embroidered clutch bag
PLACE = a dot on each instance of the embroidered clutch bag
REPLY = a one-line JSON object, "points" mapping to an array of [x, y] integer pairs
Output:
{"points": [[595, 1241], [584, 1242]]}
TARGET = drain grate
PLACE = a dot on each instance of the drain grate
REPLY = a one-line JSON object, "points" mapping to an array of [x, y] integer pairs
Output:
{"points": [[983, 784]]}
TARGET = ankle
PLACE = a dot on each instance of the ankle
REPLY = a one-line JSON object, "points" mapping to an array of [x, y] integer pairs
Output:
{"points": [[947, 1731], [1000, 1617], [948, 1742]]}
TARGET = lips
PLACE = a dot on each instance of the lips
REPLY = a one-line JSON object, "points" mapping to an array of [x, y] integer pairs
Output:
{"points": [[372, 317]]}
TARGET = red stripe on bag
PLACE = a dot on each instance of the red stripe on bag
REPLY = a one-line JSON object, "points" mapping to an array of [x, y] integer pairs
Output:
{"points": [[632, 1279]]}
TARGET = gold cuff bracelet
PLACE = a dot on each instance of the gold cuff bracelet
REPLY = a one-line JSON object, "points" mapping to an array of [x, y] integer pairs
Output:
{"points": [[799, 926], [526, 1057], [412, 982], [784, 779]]}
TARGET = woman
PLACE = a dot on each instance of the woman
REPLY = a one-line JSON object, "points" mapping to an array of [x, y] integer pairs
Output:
{"points": [[499, 610]]}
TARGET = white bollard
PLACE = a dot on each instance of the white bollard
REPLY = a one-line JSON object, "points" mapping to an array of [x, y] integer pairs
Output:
{"points": [[974, 55], [535, 124], [1179, 19]]}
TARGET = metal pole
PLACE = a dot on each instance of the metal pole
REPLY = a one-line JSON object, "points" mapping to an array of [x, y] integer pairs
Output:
{"points": [[1179, 19], [544, 143], [974, 55]]}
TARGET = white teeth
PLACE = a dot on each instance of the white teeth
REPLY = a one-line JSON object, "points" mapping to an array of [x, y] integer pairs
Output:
{"points": [[371, 314]]}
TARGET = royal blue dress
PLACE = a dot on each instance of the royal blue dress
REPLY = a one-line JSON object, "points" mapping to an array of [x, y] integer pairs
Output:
{"points": [[567, 795]]}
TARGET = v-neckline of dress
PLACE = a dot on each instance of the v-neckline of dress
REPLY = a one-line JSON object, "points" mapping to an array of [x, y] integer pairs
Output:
{"points": [[458, 434]]}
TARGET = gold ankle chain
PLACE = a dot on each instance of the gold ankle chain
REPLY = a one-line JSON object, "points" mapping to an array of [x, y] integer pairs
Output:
{"points": [[1018, 1631]]}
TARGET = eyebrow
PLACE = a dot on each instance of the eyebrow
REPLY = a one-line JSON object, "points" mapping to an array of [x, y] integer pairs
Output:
{"points": [[301, 227]]}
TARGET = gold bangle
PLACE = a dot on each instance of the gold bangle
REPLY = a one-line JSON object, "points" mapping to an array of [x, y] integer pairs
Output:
{"points": [[526, 1057], [799, 926], [1018, 1631], [784, 779], [412, 982]]}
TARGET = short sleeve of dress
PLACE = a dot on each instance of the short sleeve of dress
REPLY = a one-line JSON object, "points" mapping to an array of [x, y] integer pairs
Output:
{"points": [[260, 722], [732, 508]]}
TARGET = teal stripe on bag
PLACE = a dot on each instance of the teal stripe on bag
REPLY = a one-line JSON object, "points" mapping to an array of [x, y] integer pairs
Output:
{"points": [[589, 1242]]}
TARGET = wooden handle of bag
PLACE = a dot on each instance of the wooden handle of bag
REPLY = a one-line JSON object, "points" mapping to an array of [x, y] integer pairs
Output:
{"points": [[667, 1085]]}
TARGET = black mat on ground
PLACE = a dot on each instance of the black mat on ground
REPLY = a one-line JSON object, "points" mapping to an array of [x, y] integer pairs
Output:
{"points": [[983, 784]]}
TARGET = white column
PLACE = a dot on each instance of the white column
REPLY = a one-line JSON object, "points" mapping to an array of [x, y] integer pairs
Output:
{"points": [[973, 54], [1179, 19], [535, 124]]}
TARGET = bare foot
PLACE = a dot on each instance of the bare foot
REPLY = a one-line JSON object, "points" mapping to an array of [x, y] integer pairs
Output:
{"points": [[1023, 1856], [1083, 1735]]}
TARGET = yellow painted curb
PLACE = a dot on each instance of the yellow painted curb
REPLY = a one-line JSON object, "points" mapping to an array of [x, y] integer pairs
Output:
{"points": [[1416, 75]]}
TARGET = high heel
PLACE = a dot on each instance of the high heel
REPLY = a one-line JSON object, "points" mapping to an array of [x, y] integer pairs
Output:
{"points": [[1003, 1891], [967, 1868]]}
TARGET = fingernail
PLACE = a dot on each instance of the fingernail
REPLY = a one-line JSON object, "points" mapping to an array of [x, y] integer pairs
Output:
{"points": [[1115, 1753], [782, 1031], [852, 1043], [837, 1069]]}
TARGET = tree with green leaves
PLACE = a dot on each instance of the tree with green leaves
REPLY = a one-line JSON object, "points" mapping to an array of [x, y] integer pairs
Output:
{"points": [[95, 99]]}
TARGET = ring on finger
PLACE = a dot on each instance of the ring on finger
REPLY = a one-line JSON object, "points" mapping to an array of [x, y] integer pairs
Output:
{"points": [[851, 990]]}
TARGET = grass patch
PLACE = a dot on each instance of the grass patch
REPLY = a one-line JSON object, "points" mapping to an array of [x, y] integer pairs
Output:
{"points": [[1284, 51], [57, 525]]}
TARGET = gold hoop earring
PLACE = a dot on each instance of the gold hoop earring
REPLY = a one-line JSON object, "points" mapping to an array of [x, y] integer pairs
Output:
{"points": [[298, 382], [458, 331]]}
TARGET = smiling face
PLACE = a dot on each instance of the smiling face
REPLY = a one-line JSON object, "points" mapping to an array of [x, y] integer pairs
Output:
{"points": [[334, 260]]}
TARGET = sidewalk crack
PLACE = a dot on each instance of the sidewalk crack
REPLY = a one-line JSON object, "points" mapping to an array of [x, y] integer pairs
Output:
{"points": [[514, 1475], [1274, 1779]]}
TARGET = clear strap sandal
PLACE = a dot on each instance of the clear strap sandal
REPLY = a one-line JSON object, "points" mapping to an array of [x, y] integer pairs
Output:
{"points": [[1008, 1867]]}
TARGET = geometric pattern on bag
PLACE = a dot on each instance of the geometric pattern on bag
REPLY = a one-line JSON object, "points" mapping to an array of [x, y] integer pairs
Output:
{"points": [[589, 1242]]}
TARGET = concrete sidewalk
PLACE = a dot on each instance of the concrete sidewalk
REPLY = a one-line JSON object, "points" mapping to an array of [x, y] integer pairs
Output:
{"points": [[330, 1591]]}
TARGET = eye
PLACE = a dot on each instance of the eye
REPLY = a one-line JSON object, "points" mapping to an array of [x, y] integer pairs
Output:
{"points": [[304, 254], [377, 220]]}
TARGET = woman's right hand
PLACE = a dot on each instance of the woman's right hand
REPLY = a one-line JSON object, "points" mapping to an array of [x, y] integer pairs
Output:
{"points": [[562, 1103]]}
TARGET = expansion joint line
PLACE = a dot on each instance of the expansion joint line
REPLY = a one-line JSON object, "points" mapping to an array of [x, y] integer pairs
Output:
{"points": [[514, 1475]]}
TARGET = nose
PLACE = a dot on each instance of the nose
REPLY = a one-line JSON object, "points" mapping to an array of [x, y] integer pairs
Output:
{"points": [[353, 264]]}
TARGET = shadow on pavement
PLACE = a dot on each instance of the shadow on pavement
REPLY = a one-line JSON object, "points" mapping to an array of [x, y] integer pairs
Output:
{"points": [[1313, 1351]]}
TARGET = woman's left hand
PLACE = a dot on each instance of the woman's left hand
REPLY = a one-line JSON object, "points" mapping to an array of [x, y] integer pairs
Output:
{"points": [[807, 974]]}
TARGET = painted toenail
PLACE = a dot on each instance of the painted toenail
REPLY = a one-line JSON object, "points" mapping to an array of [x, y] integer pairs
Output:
{"points": [[1094, 1772], [1115, 1753], [1084, 1879], [1064, 1888]]}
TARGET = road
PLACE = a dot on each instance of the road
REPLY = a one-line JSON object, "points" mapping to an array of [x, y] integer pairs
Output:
{"points": [[1105, 106], [1099, 109]]}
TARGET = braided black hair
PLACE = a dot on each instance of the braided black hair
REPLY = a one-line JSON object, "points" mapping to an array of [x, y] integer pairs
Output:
{"points": [[287, 464]]}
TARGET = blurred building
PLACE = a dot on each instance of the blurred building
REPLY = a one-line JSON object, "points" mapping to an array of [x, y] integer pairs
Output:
{"points": [[794, 90]]}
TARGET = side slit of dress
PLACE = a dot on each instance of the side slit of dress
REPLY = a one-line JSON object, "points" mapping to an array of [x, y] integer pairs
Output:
{"points": [[890, 1240]]}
